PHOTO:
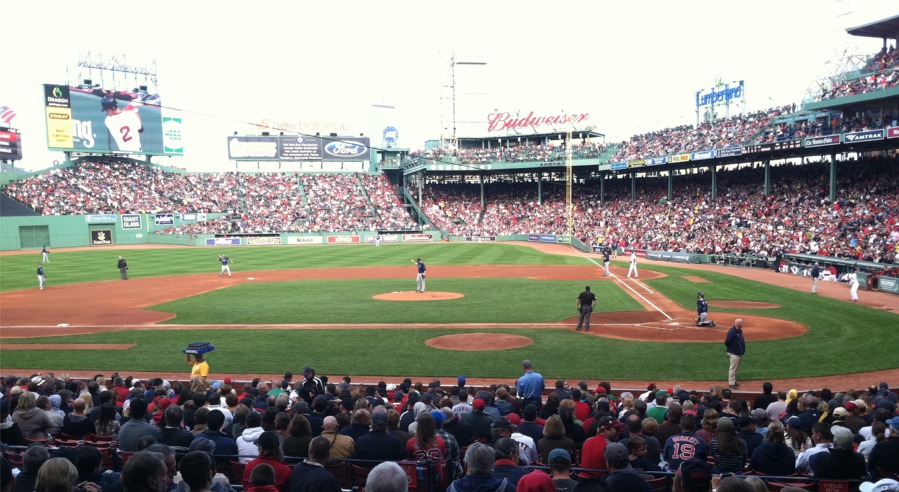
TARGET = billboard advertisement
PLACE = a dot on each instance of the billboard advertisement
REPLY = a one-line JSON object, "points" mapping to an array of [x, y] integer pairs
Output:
{"points": [[297, 148], [720, 94], [10, 144], [99, 121]]}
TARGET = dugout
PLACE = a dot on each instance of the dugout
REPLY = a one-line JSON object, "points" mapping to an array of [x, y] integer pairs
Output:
{"points": [[866, 271]]}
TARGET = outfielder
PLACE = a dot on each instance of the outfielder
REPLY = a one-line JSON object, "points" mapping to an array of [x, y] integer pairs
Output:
{"points": [[633, 268], [420, 278], [816, 272], [378, 240], [853, 291], [702, 311], [41, 279], [45, 254], [225, 261]]}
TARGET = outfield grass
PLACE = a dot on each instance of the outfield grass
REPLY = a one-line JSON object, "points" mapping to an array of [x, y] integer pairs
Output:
{"points": [[842, 338]]}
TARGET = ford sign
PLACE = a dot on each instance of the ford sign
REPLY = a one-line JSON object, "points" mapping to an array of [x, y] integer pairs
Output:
{"points": [[345, 150]]}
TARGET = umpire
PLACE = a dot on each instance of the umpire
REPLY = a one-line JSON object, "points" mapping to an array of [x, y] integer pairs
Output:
{"points": [[586, 301]]}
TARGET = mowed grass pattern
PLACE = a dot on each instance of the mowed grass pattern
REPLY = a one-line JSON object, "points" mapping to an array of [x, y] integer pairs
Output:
{"points": [[842, 338]]}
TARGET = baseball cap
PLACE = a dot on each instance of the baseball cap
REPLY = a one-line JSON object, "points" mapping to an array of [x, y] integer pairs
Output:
{"points": [[268, 440], [559, 453], [461, 380], [759, 416], [514, 419], [894, 422], [502, 423], [662, 394], [861, 404], [202, 444], [840, 412], [478, 404], [610, 422], [850, 406], [616, 452], [695, 472], [884, 485], [536, 481], [228, 381], [301, 407], [794, 421], [439, 417]]}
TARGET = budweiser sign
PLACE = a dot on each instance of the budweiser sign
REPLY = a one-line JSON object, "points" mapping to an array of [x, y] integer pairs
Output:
{"points": [[497, 122]]}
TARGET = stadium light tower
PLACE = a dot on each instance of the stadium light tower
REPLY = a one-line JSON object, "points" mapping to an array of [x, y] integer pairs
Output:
{"points": [[453, 141]]}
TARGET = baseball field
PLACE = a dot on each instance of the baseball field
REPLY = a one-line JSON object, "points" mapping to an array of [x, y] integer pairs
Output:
{"points": [[353, 310]]}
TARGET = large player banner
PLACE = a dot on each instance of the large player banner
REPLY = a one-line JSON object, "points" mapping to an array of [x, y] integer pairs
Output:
{"points": [[297, 148], [96, 120]]}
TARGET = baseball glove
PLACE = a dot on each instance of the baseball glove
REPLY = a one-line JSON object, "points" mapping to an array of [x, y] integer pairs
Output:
{"points": [[697, 319]]}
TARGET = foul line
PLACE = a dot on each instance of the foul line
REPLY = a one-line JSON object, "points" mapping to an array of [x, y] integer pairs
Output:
{"points": [[623, 283]]}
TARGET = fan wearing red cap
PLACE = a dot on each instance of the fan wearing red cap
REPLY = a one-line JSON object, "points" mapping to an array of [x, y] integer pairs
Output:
{"points": [[480, 422]]}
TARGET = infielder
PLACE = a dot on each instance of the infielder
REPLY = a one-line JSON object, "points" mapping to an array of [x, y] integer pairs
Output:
{"points": [[420, 278], [606, 260], [702, 311], [45, 255], [41, 279], [633, 268], [225, 261], [853, 292]]}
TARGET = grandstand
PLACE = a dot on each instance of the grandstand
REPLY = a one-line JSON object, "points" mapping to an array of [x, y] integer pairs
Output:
{"points": [[777, 189]]}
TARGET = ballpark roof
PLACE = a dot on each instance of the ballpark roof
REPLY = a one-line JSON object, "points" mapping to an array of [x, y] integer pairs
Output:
{"points": [[885, 29]]}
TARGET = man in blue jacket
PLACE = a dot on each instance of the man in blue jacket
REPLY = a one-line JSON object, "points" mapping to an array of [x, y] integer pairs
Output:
{"points": [[736, 347]]}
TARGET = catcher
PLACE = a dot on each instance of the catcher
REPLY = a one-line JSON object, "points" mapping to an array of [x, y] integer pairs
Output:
{"points": [[702, 311]]}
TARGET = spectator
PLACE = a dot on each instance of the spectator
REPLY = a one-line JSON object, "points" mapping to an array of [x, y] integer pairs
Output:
{"points": [[479, 460], [137, 427], [387, 477], [270, 453], [57, 475], [310, 475], [35, 456], [773, 457], [33, 422], [145, 472]]}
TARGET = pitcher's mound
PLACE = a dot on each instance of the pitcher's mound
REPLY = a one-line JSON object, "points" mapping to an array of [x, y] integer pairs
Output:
{"points": [[418, 296], [478, 341]]}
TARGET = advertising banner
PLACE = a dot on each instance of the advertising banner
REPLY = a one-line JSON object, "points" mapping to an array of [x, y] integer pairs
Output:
{"points": [[547, 238], [893, 132], [618, 166], [418, 237], [101, 238], [534, 238], [100, 219], [304, 240], [131, 221], [165, 219], [729, 151], [263, 241], [480, 239], [812, 142], [656, 161], [563, 239], [705, 154], [669, 256], [864, 136], [888, 284], [679, 158], [92, 119], [343, 239], [297, 148], [223, 241], [385, 238], [636, 163], [720, 94]]}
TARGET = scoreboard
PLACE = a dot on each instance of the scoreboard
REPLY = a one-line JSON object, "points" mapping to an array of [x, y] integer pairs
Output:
{"points": [[10, 144]]}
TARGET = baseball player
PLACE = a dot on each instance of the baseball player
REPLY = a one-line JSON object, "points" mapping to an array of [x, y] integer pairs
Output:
{"points": [[225, 261], [45, 254], [586, 301], [816, 272], [606, 253], [123, 268], [378, 240], [125, 126], [853, 291], [633, 268], [420, 278], [702, 311], [41, 279]]}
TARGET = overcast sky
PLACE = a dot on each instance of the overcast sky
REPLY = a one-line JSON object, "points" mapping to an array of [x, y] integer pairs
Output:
{"points": [[633, 66]]}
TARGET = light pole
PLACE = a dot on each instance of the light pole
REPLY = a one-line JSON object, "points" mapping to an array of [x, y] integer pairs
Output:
{"points": [[453, 140]]}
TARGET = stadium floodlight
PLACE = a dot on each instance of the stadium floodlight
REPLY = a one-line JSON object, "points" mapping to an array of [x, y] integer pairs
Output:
{"points": [[453, 141]]}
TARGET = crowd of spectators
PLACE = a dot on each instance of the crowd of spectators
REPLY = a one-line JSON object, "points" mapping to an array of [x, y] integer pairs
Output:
{"points": [[880, 72], [251, 202], [548, 152], [296, 427], [736, 130], [797, 217]]}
